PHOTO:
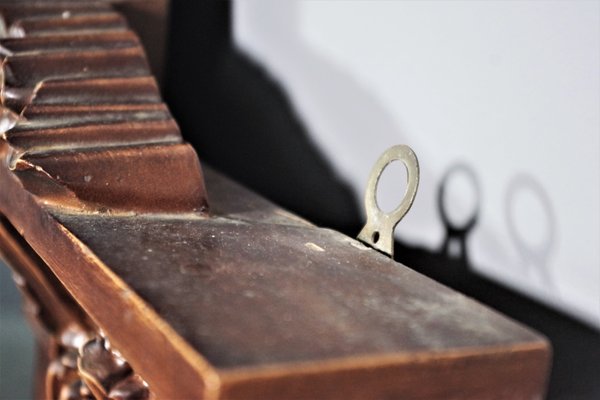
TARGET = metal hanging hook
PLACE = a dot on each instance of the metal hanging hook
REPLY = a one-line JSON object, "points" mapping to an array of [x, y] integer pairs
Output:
{"points": [[379, 229]]}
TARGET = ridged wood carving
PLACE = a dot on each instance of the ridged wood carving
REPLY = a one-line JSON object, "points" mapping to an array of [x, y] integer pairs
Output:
{"points": [[84, 128], [82, 120]]}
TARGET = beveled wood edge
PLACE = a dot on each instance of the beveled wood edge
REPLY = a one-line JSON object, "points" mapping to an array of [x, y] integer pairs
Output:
{"points": [[522, 370], [270, 371]]}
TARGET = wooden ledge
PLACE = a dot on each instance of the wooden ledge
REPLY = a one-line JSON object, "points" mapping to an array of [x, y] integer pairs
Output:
{"points": [[256, 303]]}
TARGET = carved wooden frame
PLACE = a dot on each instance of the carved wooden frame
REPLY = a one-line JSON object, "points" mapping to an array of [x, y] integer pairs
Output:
{"points": [[140, 291]]}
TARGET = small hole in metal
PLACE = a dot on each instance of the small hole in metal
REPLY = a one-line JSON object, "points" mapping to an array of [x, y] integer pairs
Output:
{"points": [[375, 237]]}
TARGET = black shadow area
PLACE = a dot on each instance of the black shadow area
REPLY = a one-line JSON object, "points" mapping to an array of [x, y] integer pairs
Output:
{"points": [[242, 123]]}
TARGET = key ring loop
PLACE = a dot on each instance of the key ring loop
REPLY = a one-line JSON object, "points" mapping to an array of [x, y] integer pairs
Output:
{"points": [[379, 229]]}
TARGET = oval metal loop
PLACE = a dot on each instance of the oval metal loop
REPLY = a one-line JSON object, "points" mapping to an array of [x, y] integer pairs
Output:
{"points": [[379, 229]]}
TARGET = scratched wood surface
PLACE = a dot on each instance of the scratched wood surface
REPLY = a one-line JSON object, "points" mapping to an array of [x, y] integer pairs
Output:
{"points": [[253, 292]]}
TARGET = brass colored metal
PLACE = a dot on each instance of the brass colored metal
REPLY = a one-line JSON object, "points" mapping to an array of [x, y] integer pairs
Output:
{"points": [[379, 229]]}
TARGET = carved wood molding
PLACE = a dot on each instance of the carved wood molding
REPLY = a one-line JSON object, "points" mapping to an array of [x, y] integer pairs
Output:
{"points": [[84, 128], [82, 117], [86, 367]]}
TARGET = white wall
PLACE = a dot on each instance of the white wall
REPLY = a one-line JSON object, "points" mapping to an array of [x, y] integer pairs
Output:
{"points": [[511, 88]]}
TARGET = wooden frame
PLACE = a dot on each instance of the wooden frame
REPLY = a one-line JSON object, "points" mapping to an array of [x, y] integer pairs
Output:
{"points": [[140, 290]]}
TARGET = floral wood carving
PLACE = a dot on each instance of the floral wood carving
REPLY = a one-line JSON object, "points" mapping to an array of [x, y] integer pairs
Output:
{"points": [[85, 367]]}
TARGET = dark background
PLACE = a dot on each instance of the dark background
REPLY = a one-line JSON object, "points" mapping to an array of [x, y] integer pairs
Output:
{"points": [[242, 123]]}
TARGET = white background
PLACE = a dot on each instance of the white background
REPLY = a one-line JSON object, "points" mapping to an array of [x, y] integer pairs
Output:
{"points": [[510, 88]]}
